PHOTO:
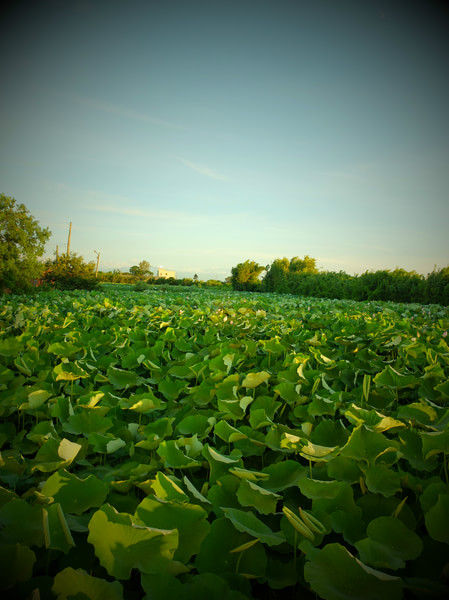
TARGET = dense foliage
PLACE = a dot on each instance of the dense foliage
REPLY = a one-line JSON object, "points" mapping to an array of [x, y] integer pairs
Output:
{"points": [[141, 271], [302, 278], [282, 273], [70, 272], [22, 242], [246, 276], [207, 445]]}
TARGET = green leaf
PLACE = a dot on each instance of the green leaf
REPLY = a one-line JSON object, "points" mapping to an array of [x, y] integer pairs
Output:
{"points": [[247, 522], [389, 544], [69, 371], [161, 586], [56, 531], [381, 479], [182, 372], [250, 494], [228, 433], [434, 442], [74, 494], [316, 488], [142, 403], [252, 380], [391, 378], [65, 349], [16, 564], [283, 475], [194, 424], [68, 450], [195, 493], [215, 555], [335, 574], [10, 347], [189, 519], [437, 519], [165, 488], [121, 379], [70, 583], [173, 457], [219, 463], [224, 493], [121, 545], [87, 420], [247, 474], [171, 388], [20, 522], [367, 445], [287, 391], [37, 398], [422, 413], [318, 453], [274, 346]]}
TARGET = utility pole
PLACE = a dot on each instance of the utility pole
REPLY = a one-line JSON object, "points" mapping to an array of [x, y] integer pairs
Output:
{"points": [[68, 243], [57, 251], [98, 262]]}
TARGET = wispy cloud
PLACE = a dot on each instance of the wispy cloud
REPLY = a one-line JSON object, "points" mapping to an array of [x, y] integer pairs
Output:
{"points": [[122, 111], [118, 210], [203, 170], [358, 172], [175, 218]]}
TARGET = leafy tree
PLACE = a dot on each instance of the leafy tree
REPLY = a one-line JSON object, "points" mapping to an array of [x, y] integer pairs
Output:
{"points": [[276, 278], [303, 265], [22, 242], [141, 270], [245, 276], [437, 284], [70, 272], [282, 275]]}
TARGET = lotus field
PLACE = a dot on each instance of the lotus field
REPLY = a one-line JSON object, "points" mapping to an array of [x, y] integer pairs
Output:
{"points": [[210, 445]]}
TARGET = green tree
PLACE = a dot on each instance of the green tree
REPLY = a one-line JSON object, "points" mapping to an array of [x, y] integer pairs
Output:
{"points": [[70, 272], [282, 274], [303, 265], [245, 276], [141, 270], [22, 242], [276, 278]]}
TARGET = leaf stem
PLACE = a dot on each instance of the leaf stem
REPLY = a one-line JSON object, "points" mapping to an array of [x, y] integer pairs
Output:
{"points": [[445, 467], [238, 562], [295, 549]]}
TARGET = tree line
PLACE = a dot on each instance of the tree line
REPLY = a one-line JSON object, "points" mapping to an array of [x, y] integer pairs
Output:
{"points": [[22, 243], [302, 278]]}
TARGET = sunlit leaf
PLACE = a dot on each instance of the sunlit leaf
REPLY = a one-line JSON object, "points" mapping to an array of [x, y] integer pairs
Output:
{"points": [[70, 583], [189, 519], [121, 545], [74, 494], [252, 380]]}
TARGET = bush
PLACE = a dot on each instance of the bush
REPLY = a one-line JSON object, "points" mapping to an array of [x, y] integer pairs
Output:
{"points": [[140, 286], [69, 273]]}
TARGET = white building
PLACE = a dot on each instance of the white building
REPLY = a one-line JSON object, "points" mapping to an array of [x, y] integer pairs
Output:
{"points": [[164, 274]]}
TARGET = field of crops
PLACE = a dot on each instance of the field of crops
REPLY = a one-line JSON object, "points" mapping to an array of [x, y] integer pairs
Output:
{"points": [[210, 445]]}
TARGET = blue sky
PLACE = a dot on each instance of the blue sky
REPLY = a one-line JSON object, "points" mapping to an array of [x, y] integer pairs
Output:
{"points": [[198, 134]]}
